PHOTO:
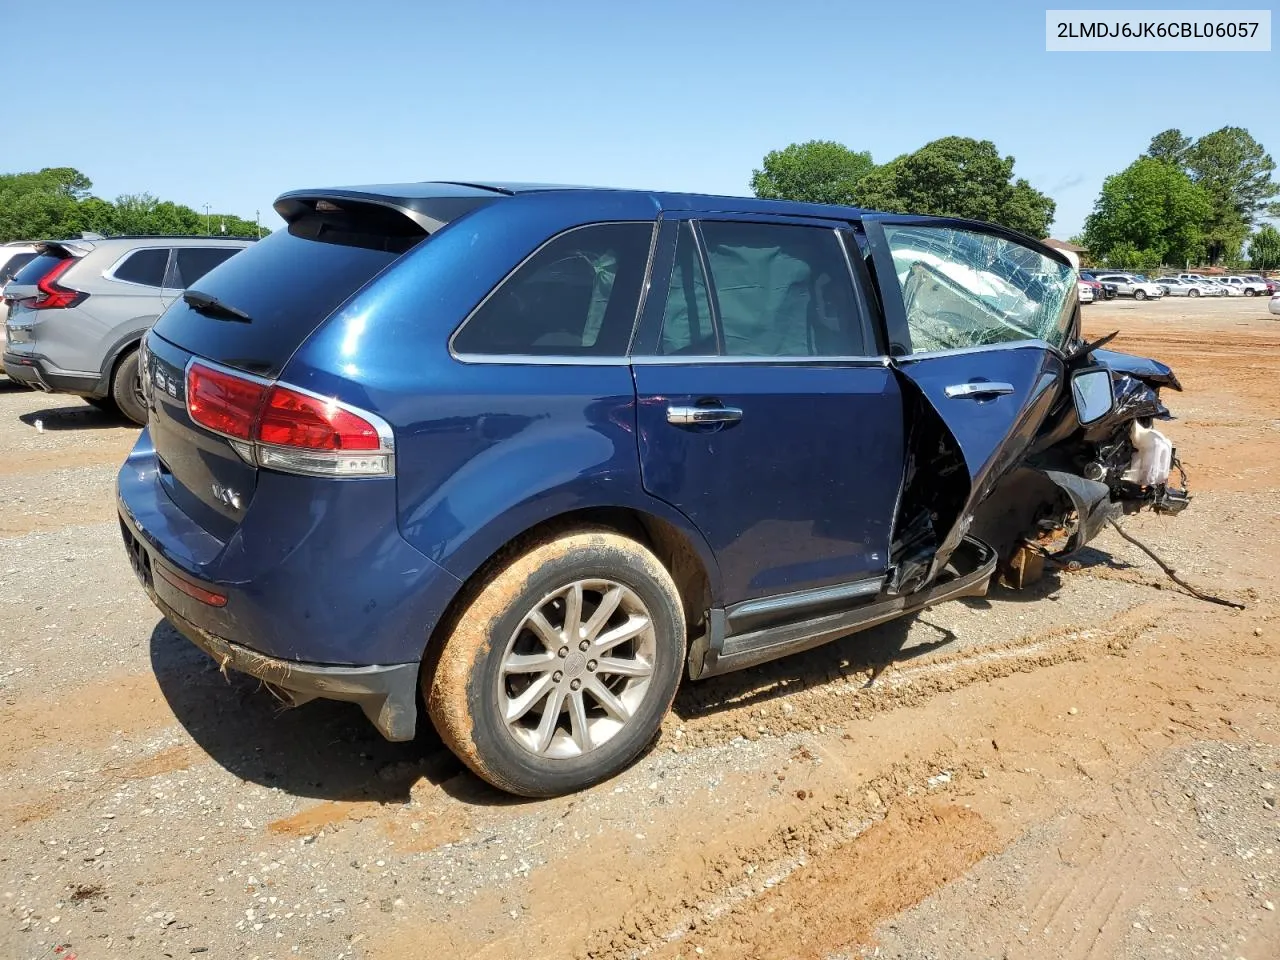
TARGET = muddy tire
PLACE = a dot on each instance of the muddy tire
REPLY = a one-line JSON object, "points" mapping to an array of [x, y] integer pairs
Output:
{"points": [[561, 666], [126, 389]]}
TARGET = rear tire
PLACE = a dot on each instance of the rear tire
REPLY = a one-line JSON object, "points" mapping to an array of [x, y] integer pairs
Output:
{"points": [[126, 389], [515, 695]]}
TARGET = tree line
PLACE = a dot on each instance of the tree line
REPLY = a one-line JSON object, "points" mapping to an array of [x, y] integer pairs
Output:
{"points": [[1182, 202], [57, 203]]}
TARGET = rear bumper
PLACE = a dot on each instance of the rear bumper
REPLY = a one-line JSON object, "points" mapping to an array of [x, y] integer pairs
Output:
{"points": [[322, 600], [36, 371], [386, 693]]}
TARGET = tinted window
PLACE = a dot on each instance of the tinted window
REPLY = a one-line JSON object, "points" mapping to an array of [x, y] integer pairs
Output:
{"points": [[36, 268], [288, 283], [195, 262], [14, 264], [577, 296], [963, 288], [686, 321], [782, 291], [144, 266]]}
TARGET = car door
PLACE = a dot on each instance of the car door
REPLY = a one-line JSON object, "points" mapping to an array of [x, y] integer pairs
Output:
{"points": [[766, 413], [978, 315]]}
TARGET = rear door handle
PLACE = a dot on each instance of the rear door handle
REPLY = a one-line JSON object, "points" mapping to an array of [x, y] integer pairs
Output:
{"points": [[691, 416], [978, 388]]}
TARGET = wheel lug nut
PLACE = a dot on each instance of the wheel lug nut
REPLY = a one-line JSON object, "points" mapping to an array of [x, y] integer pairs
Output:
{"points": [[557, 676], [575, 684], [591, 665], [584, 645], [562, 652]]}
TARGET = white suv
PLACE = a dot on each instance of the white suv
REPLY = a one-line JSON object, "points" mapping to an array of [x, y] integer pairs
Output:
{"points": [[13, 257], [1127, 285], [1250, 288]]}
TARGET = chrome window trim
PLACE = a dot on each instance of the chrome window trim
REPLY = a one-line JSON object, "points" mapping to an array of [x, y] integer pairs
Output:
{"points": [[602, 360], [110, 272], [1032, 344], [386, 437], [789, 361]]}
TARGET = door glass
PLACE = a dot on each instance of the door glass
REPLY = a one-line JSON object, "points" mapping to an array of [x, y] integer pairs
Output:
{"points": [[686, 321], [782, 291], [577, 296], [963, 288], [195, 262], [145, 267]]}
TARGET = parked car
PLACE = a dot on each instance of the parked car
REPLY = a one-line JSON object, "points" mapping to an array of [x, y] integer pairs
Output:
{"points": [[1101, 291], [1231, 290], [78, 309], [1270, 283], [13, 257], [1274, 305], [1127, 285], [1247, 286], [1177, 287], [1199, 286], [1087, 292], [501, 467]]}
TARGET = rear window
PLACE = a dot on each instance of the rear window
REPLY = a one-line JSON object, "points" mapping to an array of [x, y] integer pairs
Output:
{"points": [[288, 283], [13, 265], [145, 267], [35, 269]]}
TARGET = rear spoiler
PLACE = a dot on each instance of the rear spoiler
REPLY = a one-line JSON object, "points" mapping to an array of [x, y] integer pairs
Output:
{"points": [[427, 213], [64, 248]]}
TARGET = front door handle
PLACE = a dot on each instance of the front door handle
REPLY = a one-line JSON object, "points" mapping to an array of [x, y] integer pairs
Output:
{"points": [[977, 389], [692, 416]]}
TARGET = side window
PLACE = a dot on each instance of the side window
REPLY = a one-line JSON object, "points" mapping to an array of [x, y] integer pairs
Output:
{"points": [[686, 321], [195, 262], [964, 288], [782, 291], [577, 296], [144, 266]]}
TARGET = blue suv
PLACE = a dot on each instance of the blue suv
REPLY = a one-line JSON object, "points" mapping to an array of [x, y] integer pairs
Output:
{"points": [[526, 454]]}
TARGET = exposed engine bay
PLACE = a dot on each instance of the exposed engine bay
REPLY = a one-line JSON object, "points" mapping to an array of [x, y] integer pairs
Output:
{"points": [[1074, 479]]}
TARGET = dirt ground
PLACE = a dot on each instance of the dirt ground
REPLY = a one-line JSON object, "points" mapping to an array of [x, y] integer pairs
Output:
{"points": [[1089, 768]]}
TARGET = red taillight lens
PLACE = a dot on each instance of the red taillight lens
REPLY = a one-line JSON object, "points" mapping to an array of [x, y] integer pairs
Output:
{"points": [[53, 295], [223, 402], [291, 419], [193, 590]]}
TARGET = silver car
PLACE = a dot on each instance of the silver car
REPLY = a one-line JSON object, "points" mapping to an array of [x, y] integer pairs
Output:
{"points": [[78, 309], [1128, 285]]}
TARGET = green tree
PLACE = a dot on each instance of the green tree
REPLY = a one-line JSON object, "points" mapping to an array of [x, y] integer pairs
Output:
{"points": [[1264, 248], [818, 171], [1235, 171], [960, 177], [1170, 146], [1150, 210]]}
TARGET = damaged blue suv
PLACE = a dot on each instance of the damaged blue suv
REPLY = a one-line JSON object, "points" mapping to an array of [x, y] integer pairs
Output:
{"points": [[526, 455]]}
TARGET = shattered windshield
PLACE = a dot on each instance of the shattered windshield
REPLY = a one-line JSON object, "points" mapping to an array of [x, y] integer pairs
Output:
{"points": [[963, 288]]}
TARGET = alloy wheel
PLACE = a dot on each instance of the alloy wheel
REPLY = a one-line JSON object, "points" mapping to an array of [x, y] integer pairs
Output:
{"points": [[577, 668]]}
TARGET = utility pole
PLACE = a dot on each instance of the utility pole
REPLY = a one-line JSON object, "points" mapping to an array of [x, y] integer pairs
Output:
{"points": [[208, 222], [257, 222]]}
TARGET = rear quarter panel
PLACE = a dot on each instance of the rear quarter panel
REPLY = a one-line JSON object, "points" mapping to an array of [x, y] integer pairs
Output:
{"points": [[484, 451]]}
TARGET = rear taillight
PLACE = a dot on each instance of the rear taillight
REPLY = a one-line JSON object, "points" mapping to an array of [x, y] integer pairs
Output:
{"points": [[283, 428], [53, 295]]}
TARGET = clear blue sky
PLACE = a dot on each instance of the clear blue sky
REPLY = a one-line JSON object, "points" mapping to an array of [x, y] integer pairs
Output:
{"points": [[232, 102]]}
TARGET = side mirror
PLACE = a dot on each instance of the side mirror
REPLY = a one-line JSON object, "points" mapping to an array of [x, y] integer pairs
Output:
{"points": [[1092, 391]]}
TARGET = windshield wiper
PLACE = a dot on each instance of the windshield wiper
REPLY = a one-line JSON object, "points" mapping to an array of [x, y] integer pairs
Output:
{"points": [[213, 307]]}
